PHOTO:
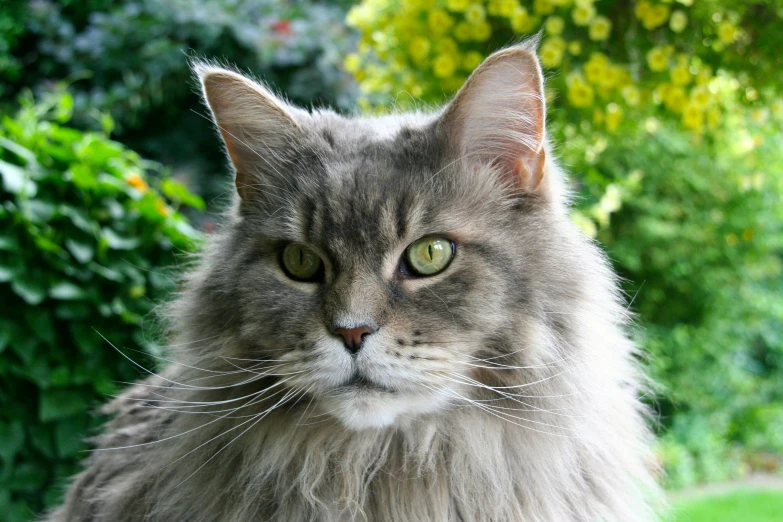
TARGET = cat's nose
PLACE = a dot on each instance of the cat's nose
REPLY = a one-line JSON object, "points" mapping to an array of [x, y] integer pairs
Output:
{"points": [[353, 338]]}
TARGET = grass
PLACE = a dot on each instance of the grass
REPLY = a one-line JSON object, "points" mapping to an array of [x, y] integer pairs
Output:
{"points": [[744, 505]]}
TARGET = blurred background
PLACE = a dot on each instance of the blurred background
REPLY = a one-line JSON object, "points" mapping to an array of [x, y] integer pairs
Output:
{"points": [[668, 114]]}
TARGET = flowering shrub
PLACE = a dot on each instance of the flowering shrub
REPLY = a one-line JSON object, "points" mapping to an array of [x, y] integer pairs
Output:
{"points": [[89, 244], [612, 61], [669, 116]]}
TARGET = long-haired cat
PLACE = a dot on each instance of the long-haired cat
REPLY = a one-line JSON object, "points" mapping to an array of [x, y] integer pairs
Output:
{"points": [[397, 322]]}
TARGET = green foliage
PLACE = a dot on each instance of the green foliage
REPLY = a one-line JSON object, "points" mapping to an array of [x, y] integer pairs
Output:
{"points": [[668, 114], [752, 505], [87, 250], [701, 240], [129, 58]]}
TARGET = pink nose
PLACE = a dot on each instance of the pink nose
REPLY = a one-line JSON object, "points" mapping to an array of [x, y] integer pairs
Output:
{"points": [[353, 338]]}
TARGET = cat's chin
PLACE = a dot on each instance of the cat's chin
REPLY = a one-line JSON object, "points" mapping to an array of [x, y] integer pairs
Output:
{"points": [[375, 409]]}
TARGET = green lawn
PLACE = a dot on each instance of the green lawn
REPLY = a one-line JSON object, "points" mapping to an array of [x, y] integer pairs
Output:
{"points": [[745, 505]]}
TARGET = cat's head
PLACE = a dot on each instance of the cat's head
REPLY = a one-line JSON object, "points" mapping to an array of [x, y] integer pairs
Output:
{"points": [[385, 267]]}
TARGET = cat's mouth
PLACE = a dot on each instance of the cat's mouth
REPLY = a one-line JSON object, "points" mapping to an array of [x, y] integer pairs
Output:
{"points": [[360, 382]]}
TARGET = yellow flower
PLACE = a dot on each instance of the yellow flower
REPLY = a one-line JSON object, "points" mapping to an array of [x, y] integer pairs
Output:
{"points": [[657, 58], [680, 75], [447, 46], [506, 8], [700, 97], [747, 234], [675, 99], [352, 63], [580, 94], [439, 21], [135, 180], [575, 47], [596, 67], [475, 14], [419, 48], [727, 32], [614, 116], [482, 31], [583, 15], [543, 7], [457, 5], [463, 32], [631, 95], [713, 118], [444, 66], [777, 107], [600, 28], [551, 51], [655, 16], [521, 21], [472, 60], [642, 9], [678, 22], [554, 25], [732, 239], [359, 16]]}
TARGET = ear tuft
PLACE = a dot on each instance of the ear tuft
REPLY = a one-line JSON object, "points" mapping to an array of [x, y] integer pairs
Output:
{"points": [[255, 125], [499, 116]]}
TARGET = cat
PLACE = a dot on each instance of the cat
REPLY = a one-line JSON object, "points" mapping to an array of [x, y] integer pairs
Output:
{"points": [[396, 322]]}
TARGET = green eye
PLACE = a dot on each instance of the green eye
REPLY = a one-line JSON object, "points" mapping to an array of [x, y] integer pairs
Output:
{"points": [[429, 255], [301, 263]]}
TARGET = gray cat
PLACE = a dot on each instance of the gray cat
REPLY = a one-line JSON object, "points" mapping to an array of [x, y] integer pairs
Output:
{"points": [[397, 322]]}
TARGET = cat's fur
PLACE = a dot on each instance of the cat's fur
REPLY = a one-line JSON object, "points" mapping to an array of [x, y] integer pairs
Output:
{"points": [[514, 382]]}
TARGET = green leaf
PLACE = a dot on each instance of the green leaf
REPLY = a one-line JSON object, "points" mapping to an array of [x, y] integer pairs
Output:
{"points": [[39, 210], [117, 242], [31, 289], [106, 273], [79, 218], [9, 243], [66, 291], [83, 252], [8, 272], [40, 322], [15, 180], [70, 311], [11, 440], [5, 339], [59, 403], [27, 478], [179, 193], [24, 154], [69, 436]]}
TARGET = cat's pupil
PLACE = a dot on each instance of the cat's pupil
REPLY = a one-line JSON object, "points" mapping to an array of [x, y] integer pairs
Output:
{"points": [[429, 250]]}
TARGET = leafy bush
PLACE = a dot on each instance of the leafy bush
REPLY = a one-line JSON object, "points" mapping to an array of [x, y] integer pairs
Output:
{"points": [[87, 249], [669, 115], [130, 58], [700, 240]]}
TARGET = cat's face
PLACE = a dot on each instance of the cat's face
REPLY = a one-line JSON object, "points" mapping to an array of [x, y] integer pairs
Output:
{"points": [[378, 264]]}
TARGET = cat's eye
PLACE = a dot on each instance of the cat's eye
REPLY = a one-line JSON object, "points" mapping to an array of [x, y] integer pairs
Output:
{"points": [[301, 263], [429, 255]]}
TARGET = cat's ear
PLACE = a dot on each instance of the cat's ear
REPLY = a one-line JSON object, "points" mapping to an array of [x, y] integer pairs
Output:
{"points": [[498, 117], [258, 128]]}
